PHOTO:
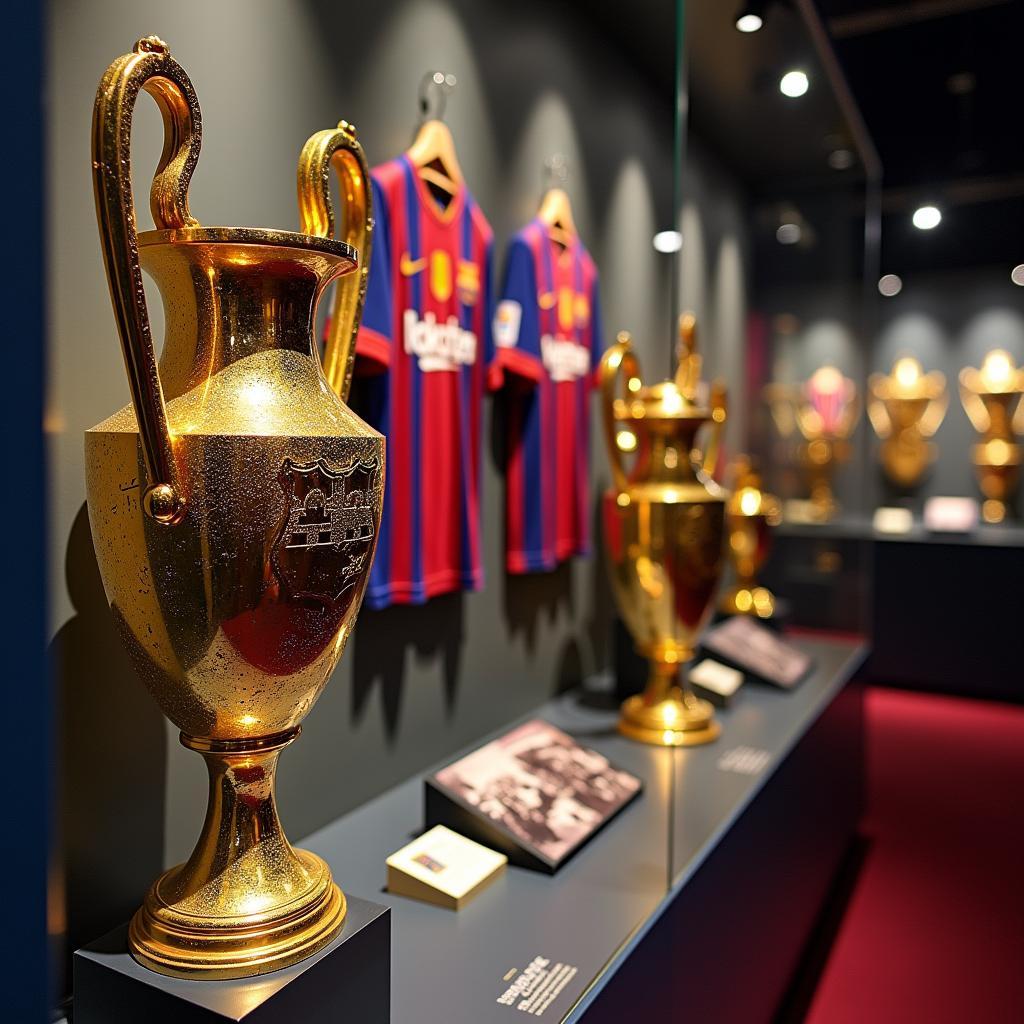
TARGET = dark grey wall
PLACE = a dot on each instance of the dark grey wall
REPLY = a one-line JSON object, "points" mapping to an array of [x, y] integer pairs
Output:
{"points": [[414, 684]]}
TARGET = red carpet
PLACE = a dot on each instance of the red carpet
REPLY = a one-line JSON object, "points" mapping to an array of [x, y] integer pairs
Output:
{"points": [[934, 930]]}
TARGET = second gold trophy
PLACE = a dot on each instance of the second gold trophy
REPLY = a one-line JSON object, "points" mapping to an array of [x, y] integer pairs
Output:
{"points": [[664, 524]]}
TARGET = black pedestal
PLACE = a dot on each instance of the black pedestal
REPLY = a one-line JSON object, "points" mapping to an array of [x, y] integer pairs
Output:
{"points": [[348, 980]]}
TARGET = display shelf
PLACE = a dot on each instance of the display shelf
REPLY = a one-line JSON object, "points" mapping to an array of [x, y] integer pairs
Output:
{"points": [[1009, 534], [450, 967], [591, 915]]}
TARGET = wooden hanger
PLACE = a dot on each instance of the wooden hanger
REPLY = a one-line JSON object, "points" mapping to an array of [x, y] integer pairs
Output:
{"points": [[555, 214], [433, 155], [432, 152], [555, 211]]}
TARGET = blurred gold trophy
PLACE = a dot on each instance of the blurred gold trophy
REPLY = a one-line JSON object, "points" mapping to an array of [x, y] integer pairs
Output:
{"points": [[906, 408], [235, 506], [750, 513], [992, 399], [825, 409], [663, 525]]}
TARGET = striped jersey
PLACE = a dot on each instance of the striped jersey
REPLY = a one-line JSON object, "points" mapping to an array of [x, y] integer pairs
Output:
{"points": [[547, 335], [423, 351]]}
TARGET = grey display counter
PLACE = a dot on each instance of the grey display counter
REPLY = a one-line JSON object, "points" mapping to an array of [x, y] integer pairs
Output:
{"points": [[942, 609], [603, 910]]}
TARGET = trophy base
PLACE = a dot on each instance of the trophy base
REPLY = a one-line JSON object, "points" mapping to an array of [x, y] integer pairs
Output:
{"points": [[184, 945], [672, 722]]}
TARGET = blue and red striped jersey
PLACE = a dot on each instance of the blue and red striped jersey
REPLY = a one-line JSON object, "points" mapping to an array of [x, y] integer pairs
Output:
{"points": [[547, 335], [423, 352]]}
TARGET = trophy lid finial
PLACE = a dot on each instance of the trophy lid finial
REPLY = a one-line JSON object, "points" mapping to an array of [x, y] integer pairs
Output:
{"points": [[151, 44]]}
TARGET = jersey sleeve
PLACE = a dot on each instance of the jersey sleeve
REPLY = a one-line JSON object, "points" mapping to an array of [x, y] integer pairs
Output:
{"points": [[376, 331], [516, 320], [596, 332]]}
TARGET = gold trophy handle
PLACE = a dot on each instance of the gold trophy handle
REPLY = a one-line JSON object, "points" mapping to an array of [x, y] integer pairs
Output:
{"points": [[935, 413], [719, 414], [339, 147], [687, 377], [851, 412], [972, 403], [148, 67], [877, 412], [809, 421], [618, 363]]}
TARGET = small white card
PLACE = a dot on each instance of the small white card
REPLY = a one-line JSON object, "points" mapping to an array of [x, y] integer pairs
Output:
{"points": [[713, 675], [443, 867], [951, 515], [893, 520]]}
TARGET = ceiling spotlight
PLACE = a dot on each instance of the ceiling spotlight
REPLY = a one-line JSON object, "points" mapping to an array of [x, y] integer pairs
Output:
{"points": [[1017, 274], [840, 159], [788, 233], [794, 83], [750, 17], [890, 285], [668, 241], [927, 217]]}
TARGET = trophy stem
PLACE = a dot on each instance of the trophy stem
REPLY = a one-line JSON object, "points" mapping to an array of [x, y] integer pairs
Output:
{"points": [[245, 902], [668, 713]]}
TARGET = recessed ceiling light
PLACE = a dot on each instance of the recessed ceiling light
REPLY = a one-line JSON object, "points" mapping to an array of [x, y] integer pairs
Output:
{"points": [[668, 241], [1017, 274], [890, 285], [840, 159], [794, 83], [749, 21], [927, 217], [788, 234]]}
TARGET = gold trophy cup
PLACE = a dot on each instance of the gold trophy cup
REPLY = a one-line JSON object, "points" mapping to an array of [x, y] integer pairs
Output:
{"points": [[750, 513], [825, 409], [663, 531], [234, 506], [992, 399], [906, 408]]}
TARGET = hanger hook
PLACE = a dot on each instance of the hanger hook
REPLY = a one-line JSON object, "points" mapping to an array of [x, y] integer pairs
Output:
{"points": [[435, 88], [556, 171]]}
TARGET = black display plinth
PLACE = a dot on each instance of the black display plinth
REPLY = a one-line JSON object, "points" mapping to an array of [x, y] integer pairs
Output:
{"points": [[348, 980]]}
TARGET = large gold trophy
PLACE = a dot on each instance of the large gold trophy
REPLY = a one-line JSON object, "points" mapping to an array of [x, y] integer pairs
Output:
{"points": [[825, 409], [663, 525], [992, 399], [906, 408], [234, 506], [750, 514]]}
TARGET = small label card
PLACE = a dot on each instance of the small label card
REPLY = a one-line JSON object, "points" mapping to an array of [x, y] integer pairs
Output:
{"points": [[715, 682], [893, 520], [951, 515], [744, 760], [536, 986], [444, 868]]}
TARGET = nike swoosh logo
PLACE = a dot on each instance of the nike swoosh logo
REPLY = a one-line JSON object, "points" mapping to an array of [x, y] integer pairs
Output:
{"points": [[409, 267]]}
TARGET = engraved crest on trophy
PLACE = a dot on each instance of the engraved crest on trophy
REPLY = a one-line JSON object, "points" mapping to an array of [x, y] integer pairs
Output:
{"points": [[329, 530]]}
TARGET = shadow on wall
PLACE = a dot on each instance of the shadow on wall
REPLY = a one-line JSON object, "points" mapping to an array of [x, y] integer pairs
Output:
{"points": [[529, 597], [113, 759], [381, 646], [526, 597]]}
